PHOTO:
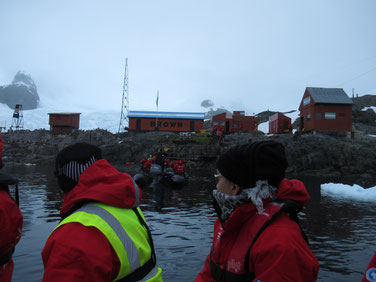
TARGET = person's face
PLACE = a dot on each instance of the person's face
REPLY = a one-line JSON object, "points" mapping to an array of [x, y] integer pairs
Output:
{"points": [[226, 186]]}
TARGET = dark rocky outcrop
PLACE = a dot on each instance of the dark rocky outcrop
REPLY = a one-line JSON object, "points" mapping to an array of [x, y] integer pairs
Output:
{"points": [[363, 102], [21, 91], [313, 155], [322, 155]]}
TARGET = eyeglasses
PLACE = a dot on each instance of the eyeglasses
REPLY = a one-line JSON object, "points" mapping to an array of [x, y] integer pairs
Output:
{"points": [[216, 176]]}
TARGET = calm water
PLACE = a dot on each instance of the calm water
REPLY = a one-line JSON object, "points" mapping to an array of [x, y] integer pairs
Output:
{"points": [[341, 232]]}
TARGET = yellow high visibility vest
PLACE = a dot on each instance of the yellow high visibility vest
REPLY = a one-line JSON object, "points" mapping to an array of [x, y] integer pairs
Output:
{"points": [[123, 229]]}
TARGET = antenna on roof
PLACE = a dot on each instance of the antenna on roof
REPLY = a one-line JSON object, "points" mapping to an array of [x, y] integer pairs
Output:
{"points": [[124, 121]]}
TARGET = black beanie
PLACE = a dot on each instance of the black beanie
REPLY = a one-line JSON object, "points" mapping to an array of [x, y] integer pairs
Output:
{"points": [[245, 164], [72, 161]]}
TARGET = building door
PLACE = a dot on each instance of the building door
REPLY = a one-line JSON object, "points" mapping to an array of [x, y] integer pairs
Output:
{"points": [[301, 123], [227, 126], [192, 126], [285, 126], [138, 124]]}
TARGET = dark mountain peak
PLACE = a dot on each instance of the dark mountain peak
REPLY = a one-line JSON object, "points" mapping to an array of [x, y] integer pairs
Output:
{"points": [[22, 91], [23, 79]]}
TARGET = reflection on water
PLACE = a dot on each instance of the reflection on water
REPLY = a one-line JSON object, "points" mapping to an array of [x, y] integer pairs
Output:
{"points": [[182, 224]]}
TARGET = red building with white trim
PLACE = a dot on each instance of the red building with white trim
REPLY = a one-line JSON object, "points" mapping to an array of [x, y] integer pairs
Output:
{"points": [[325, 109], [238, 122], [64, 123], [279, 123]]}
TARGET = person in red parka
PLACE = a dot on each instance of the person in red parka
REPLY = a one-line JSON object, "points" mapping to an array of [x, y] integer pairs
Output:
{"points": [[257, 235], [103, 235], [10, 225], [179, 167], [1, 151], [370, 274]]}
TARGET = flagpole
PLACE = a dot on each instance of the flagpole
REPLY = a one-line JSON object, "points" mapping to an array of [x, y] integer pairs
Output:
{"points": [[156, 120]]}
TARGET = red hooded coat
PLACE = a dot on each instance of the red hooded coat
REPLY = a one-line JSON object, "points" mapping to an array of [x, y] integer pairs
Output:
{"points": [[279, 254], [11, 228], [74, 252], [371, 271], [1, 152]]}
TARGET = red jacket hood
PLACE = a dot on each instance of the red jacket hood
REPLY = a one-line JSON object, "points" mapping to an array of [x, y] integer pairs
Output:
{"points": [[287, 189], [103, 183], [293, 190]]}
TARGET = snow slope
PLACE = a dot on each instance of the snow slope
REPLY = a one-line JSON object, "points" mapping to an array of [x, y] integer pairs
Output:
{"points": [[38, 118]]}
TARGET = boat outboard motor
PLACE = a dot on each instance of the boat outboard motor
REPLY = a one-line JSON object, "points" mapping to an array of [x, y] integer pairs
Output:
{"points": [[156, 172], [5, 181]]}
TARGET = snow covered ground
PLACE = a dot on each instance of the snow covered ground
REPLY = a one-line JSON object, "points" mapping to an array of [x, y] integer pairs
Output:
{"points": [[348, 192], [38, 118]]}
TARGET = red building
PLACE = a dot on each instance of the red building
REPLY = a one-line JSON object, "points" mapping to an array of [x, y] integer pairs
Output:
{"points": [[233, 123], [279, 123], [325, 109], [165, 121], [64, 123]]}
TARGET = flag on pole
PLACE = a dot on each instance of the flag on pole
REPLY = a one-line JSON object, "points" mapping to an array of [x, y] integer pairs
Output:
{"points": [[157, 98]]}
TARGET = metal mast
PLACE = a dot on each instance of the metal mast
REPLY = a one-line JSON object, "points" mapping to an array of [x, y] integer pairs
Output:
{"points": [[17, 121], [124, 121]]}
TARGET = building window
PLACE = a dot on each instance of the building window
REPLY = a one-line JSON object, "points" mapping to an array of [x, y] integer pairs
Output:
{"points": [[215, 123], [318, 116], [330, 115], [308, 116], [235, 125], [222, 123], [341, 114], [307, 101]]}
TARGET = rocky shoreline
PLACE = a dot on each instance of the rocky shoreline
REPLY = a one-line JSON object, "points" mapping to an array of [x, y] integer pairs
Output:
{"points": [[311, 155]]}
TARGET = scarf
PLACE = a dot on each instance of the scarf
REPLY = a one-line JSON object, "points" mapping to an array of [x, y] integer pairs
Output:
{"points": [[225, 204]]}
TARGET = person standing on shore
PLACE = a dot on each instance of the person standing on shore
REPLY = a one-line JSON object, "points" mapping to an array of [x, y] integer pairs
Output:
{"points": [[11, 222], [257, 235], [103, 235]]}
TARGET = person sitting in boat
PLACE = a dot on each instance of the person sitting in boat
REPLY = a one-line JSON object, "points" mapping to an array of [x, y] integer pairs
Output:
{"points": [[257, 236], [179, 167], [1, 152], [11, 222], [167, 161], [370, 274], [143, 161], [103, 235], [147, 166], [160, 159]]}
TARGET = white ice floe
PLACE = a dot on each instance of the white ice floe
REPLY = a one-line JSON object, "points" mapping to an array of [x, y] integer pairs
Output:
{"points": [[354, 192]]}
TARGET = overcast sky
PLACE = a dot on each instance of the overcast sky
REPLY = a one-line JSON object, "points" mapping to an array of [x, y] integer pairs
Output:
{"points": [[243, 55]]}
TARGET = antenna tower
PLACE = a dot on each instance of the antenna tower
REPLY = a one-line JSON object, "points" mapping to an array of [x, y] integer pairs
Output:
{"points": [[124, 121], [17, 121]]}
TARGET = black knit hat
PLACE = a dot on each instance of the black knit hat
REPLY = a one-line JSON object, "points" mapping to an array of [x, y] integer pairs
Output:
{"points": [[72, 161], [245, 164]]}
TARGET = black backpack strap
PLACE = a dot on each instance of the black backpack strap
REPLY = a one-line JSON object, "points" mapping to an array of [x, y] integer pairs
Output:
{"points": [[292, 208], [150, 264], [6, 258], [221, 274]]}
